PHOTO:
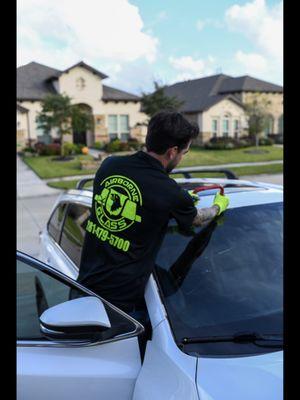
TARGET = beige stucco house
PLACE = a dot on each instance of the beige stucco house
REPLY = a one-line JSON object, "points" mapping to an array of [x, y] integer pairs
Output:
{"points": [[216, 104], [115, 113]]}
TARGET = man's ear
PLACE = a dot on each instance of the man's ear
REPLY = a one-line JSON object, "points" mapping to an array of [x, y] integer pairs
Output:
{"points": [[171, 152]]}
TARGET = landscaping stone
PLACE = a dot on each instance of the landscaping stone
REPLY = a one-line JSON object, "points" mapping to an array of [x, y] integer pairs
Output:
{"points": [[90, 164]]}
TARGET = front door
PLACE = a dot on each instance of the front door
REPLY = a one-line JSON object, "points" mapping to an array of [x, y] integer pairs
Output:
{"points": [[50, 369], [79, 137]]}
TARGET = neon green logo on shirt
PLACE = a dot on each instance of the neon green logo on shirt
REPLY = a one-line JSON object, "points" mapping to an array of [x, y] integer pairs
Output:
{"points": [[116, 205]]}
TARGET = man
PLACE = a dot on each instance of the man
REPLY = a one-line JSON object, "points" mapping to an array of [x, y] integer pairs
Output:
{"points": [[133, 200]]}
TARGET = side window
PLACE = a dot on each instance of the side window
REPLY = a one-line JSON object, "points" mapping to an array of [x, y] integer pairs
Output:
{"points": [[36, 291], [74, 231], [55, 222]]}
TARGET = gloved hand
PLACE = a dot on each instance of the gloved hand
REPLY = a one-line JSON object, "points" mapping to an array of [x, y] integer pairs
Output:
{"points": [[194, 197], [222, 201]]}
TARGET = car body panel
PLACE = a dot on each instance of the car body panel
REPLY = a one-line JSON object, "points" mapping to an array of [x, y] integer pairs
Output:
{"points": [[107, 371], [256, 377]]}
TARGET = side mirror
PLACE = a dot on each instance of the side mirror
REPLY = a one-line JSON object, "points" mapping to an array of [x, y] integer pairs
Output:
{"points": [[80, 319]]}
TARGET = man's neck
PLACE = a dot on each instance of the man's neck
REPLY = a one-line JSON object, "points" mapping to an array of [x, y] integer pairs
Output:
{"points": [[158, 157]]}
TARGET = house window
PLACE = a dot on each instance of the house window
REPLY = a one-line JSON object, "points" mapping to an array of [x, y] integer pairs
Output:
{"points": [[118, 127], [236, 128], [280, 125], [226, 127], [269, 124], [214, 127], [113, 126], [124, 127], [80, 83]]}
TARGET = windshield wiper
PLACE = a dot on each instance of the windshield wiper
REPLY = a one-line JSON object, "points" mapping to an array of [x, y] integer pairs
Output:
{"points": [[269, 340]]}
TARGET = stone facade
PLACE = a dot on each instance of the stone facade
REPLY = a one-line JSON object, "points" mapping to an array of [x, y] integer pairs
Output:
{"points": [[275, 109], [231, 117]]}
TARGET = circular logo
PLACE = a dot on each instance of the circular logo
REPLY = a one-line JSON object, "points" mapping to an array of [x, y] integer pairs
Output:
{"points": [[116, 205]]}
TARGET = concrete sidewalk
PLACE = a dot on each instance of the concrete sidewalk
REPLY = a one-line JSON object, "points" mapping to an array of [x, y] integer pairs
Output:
{"points": [[29, 184]]}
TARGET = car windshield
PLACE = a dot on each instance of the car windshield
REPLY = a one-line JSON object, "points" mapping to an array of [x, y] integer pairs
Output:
{"points": [[225, 279]]}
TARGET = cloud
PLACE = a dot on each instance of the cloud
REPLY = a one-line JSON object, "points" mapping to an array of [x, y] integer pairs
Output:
{"points": [[261, 24], [252, 63], [61, 32], [189, 68]]}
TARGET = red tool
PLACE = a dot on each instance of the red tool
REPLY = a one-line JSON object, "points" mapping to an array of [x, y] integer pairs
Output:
{"points": [[209, 187]]}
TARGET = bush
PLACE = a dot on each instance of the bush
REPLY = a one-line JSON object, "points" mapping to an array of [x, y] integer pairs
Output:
{"points": [[266, 141], [43, 149], [116, 145], [277, 138], [134, 144], [29, 150], [69, 149], [98, 145], [228, 143]]}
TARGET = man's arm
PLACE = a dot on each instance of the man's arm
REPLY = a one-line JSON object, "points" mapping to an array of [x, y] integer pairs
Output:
{"points": [[205, 214]]}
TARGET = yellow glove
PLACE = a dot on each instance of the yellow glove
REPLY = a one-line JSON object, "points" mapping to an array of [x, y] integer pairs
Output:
{"points": [[222, 201], [194, 197]]}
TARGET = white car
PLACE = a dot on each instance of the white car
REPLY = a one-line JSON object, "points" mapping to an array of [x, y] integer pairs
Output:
{"points": [[214, 302]]}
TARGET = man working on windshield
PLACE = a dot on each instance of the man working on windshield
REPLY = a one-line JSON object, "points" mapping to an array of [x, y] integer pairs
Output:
{"points": [[133, 200]]}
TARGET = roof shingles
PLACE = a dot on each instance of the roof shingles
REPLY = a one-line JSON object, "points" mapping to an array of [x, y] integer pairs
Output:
{"points": [[200, 94]]}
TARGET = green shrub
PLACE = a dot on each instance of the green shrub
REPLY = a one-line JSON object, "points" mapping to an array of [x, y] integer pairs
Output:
{"points": [[134, 144], [266, 141], [68, 149], [98, 145], [43, 149], [277, 138], [227, 143], [29, 150], [115, 145]]}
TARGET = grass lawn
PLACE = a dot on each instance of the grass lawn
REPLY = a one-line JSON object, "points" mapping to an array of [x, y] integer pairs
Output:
{"points": [[255, 170], [46, 168], [198, 156]]}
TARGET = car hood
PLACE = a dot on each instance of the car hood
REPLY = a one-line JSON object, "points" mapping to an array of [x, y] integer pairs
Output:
{"points": [[257, 377]]}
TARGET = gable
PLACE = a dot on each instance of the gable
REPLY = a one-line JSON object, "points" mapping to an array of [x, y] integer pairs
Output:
{"points": [[82, 85]]}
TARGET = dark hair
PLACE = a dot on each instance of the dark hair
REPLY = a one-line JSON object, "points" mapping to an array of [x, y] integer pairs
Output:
{"points": [[167, 129]]}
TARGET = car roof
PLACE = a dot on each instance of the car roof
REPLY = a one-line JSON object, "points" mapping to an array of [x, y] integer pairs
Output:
{"points": [[241, 192]]}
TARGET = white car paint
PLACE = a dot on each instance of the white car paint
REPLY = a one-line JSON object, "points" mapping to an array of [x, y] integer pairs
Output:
{"points": [[169, 373], [107, 371]]}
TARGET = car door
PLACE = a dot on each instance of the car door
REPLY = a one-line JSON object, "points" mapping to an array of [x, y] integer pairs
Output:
{"points": [[60, 369]]}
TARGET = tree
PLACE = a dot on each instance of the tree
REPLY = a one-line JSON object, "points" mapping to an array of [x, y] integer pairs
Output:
{"points": [[257, 112], [58, 113], [158, 101]]}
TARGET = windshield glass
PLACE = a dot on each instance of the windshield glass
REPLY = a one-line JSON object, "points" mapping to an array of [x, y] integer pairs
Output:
{"points": [[225, 278]]}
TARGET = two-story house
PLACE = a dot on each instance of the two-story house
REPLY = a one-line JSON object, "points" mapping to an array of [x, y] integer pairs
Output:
{"points": [[116, 114], [216, 103]]}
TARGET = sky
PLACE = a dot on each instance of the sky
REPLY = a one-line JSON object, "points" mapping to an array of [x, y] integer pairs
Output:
{"points": [[135, 42]]}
